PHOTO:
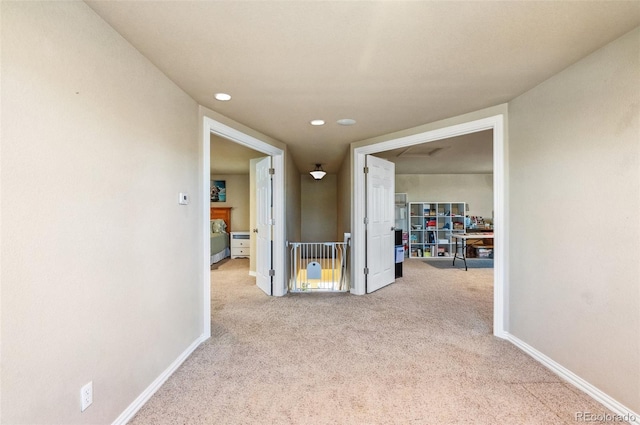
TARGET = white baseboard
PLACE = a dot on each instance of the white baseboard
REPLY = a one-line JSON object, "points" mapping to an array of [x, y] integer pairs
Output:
{"points": [[133, 408], [564, 373], [252, 274]]}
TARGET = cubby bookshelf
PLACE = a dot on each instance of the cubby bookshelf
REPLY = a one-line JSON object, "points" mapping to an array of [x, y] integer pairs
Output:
{"points": [[431, 225]]}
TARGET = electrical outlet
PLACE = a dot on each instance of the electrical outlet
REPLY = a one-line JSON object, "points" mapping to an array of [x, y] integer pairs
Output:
{"points": [[86, 396]]}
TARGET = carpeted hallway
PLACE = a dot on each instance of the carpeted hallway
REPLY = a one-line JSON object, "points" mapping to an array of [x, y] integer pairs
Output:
{"points": [[420, 351]]}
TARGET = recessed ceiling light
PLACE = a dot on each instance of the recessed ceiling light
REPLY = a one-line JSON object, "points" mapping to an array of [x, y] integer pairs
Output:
{"points": [[346, 121], [223, 97], [317, 122]]}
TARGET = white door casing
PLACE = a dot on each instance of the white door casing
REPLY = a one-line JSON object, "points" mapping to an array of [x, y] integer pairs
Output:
{"points": [[264, 237], [380, 198]]}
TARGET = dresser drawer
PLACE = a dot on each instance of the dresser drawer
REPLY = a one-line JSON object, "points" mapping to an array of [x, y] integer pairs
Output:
{"points": [[239, 252], [240, 243]]}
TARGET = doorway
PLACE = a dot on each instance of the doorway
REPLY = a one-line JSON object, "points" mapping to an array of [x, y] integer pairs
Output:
{"points": [[212, 126], [358, 227]]}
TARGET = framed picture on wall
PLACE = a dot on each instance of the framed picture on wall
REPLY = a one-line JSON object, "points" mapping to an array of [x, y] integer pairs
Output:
{"points": [[218, 191]]}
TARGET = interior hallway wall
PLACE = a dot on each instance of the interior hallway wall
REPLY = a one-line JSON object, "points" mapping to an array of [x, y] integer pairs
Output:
{"points": [[238, 198], [474, 189], [293, 192], [319, 208], [574, 234], [99, 267], [344, 185]]}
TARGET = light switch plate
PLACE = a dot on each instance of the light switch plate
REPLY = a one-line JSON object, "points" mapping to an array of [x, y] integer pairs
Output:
{"points": [[183, 199]]}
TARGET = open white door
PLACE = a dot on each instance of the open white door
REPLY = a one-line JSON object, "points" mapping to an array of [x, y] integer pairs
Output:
{"points": [[380, 193], [264, 223]]}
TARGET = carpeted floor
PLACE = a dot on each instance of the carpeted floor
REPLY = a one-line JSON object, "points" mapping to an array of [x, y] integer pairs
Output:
{"points": [[417, 352]]}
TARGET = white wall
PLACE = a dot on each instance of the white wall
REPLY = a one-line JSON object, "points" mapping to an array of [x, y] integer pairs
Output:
{"points": [[294, 203], [474, 189], [99, 265], [319, 204], [575, 234], [343, 185]]}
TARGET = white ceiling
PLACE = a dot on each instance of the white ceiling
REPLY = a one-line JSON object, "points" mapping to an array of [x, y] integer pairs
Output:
{"points": [[390, 65], [468, 154]]}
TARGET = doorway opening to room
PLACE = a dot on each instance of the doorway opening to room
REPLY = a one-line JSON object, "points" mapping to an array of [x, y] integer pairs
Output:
{"points": [[269, 206], [444, 193], [233, 203], [360, 236]]}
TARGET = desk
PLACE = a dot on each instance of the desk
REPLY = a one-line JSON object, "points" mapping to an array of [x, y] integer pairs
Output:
{"points": [[470, 239]]}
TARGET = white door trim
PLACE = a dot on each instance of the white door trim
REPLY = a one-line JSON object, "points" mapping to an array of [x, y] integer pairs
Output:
{"points": [[279, 237], [495, 123]]}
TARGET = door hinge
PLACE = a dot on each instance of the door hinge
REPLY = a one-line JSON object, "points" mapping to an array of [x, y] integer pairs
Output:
{"points": [[366, 170], [366, 270], [272, 221], [366, 220], [272, 171], [272, 272]]}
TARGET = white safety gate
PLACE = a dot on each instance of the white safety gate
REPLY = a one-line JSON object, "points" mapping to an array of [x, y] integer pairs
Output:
{"points": [[319, 267]]}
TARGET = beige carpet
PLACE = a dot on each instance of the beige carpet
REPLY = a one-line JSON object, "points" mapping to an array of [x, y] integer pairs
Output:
{"points": [[417, 352]]}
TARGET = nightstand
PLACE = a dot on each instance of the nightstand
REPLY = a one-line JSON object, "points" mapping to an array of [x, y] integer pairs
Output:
{"points": [[240, 244]]}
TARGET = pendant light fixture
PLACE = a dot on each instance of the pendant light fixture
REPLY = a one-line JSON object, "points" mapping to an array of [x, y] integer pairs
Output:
{"points": [[318, 173]]}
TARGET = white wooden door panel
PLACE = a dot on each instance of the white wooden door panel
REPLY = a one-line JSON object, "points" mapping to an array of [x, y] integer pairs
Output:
{"points": [[264, 237], [380, 183]]}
